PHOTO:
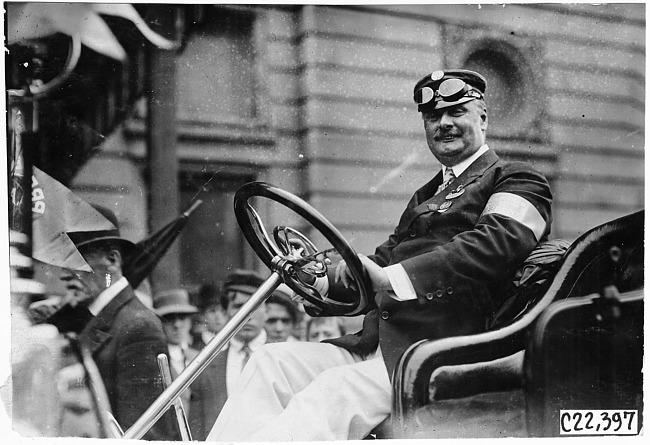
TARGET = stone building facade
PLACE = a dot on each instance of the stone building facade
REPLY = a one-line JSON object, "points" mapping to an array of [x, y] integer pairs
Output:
{"points": [[317, 100]]}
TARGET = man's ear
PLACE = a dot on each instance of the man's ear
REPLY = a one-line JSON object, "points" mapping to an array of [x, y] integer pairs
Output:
{"points": [[114, 258], [484, 121]]}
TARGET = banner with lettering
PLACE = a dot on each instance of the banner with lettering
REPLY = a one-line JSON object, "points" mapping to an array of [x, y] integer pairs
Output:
{"points": [[55, 212]]}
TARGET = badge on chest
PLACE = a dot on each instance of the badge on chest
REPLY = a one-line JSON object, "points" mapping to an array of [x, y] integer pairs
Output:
{"points": [[456, 192], [441, 208]]}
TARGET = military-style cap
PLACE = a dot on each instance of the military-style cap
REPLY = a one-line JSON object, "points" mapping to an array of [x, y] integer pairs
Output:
{"points": [[442, 89], [248, 281]]}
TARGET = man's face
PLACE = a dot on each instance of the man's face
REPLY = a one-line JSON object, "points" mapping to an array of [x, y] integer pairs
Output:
{"points": [[84, 287], [324, 329], [455, 133], [254, 325], [279, 324], [177, 328], [215, 318]]}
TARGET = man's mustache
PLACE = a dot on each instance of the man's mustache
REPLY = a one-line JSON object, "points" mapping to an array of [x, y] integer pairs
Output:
{"points": [[445, 134]]}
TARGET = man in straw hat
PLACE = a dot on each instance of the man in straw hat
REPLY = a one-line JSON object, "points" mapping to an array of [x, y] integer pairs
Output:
{"points": [[174, 308], [461, 236], [123, 336]]}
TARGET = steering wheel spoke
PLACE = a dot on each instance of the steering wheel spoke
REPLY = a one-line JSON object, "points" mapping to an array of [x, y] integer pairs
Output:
{"points": [[258, 227]]}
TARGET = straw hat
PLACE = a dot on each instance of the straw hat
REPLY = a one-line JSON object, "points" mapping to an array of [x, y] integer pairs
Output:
{"points": [[173, 301]]}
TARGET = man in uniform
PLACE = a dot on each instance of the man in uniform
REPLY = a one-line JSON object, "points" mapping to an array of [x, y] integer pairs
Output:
{"points": [[213, 386], [462, 235]]}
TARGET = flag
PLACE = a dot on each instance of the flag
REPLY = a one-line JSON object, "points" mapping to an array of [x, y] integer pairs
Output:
{"points": [[55, 212], [26, 21], [150, 250], [128, 12]]}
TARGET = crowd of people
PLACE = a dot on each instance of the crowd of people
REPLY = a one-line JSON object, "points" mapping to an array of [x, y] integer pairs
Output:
{"points": [[189, 327], [460, 237], [126, 332]]}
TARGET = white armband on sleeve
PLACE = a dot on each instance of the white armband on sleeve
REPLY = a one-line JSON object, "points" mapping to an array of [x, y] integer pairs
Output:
{"points": [[400, 282], [518, 208]]}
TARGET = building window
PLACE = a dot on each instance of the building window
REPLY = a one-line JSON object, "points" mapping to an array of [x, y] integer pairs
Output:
{"points": [[505, 95], [513, 66], [216, 79], [211, 244]]}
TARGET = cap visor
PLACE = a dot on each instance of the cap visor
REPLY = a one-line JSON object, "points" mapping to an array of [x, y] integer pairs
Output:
{"points": [[442, 104]]}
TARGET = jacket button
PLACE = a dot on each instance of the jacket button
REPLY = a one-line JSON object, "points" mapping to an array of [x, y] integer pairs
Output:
{"points": [[384, 315], [450, 290], [412, 234], [439, 293], [429, 296]]}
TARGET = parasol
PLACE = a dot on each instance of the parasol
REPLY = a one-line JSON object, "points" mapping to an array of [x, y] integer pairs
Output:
{"points": [[150, 250]]}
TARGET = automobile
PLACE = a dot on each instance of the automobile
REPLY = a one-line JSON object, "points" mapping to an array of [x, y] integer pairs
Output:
{"points": [[562, 357]]}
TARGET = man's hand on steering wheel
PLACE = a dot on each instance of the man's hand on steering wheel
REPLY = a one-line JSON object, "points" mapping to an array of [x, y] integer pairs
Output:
{"points": [[376, 273]]}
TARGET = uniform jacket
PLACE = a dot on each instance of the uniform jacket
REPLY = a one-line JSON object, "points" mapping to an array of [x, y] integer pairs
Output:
{"points": [[209, 394], [124, 339], [455, 257]]}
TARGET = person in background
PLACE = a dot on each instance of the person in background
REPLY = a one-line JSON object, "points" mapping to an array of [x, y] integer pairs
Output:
{"points": [[212, 387], [174, 308], [282, 316], [322, 328], [211, 317], [123, 336]]}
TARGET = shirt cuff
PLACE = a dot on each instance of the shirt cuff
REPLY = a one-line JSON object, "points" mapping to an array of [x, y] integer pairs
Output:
{"points": [[400, 282]]}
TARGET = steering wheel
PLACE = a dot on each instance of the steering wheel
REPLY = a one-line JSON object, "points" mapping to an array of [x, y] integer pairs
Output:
{"points": [[294, 257]]}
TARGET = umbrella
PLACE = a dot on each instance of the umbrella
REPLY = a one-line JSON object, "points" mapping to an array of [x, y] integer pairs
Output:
{"points": [[150, 250]]}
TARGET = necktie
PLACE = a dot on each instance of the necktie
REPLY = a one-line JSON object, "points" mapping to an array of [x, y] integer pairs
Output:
{"points": [[246, 352], [184, 352], [447, 178]]}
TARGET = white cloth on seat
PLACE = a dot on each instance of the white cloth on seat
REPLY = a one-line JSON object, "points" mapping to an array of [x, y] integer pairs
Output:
{"points": [[305, 391]]}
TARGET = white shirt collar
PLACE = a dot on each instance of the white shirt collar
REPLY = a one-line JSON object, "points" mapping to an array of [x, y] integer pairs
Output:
{"points": [[182, 347], [175, 351], [177, 357], [107, 295], [459, 168], [207, 336], [255, 343]]}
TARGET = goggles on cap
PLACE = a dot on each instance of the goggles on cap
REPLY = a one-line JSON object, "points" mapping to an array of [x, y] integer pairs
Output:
{"points": [[449, 90]]}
